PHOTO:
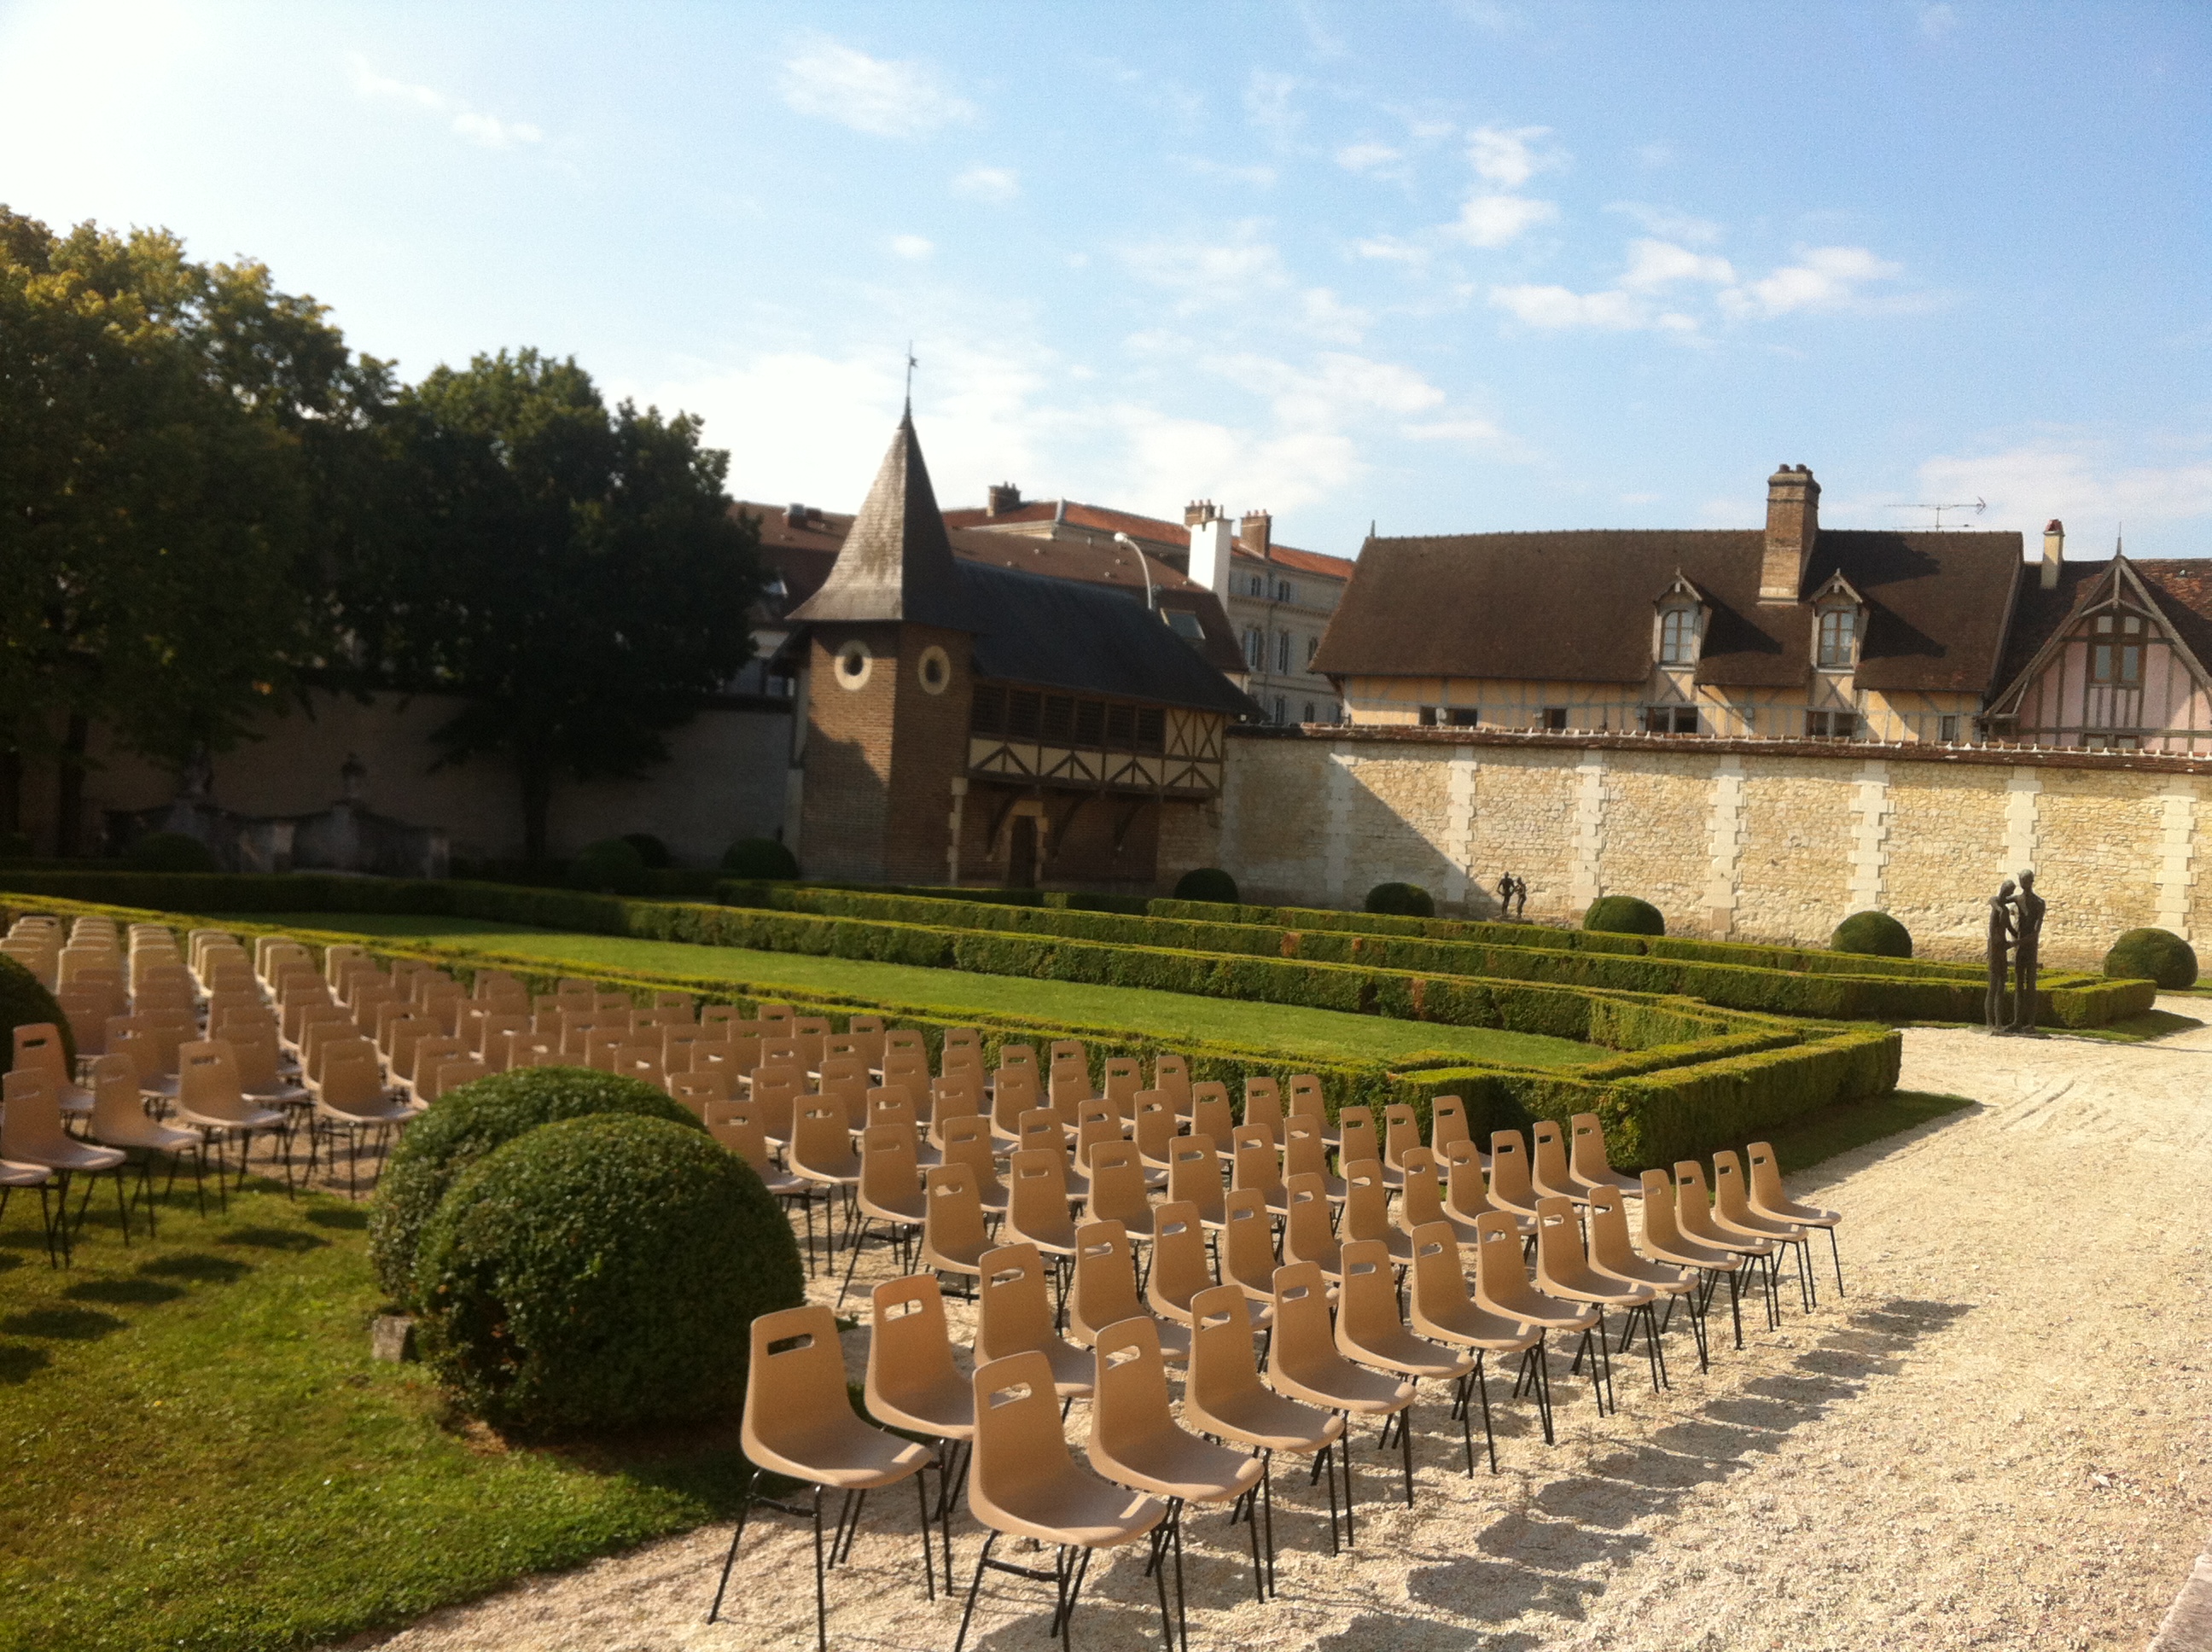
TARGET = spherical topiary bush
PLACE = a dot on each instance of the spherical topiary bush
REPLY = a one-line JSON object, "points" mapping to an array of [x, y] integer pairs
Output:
{"points": [[25, 1003], [610, 867], [1206, 884], [760, 858], [477, 1120], [2158, 955], [650, 849], [1873, 935], [602, 1272], [1624, 915], [1401, 900], [170, 852]]}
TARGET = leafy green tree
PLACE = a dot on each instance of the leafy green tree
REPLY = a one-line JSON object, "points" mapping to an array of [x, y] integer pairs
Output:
{"points": [[573, 575]]}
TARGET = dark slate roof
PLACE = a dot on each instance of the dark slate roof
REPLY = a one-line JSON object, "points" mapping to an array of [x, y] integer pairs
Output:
{"points": [[895, 562], [1576, 606], [2182, 590], [1087, 638]]}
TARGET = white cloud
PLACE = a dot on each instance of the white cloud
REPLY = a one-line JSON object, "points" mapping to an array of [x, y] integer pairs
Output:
{"points": [[2082, 482], [1267, 104], [1655, 154], [1256, 177], [1665, 221], [1329, 319], [1937, 21], [997, 185], [1367, 157], [477, 127], [1210, 272], [1392, 249], [881, 96], [1558, 309], [1825, 278], [916, 248], [1498, 220], [1484, 433], [1656, 263], [1504, 156]]}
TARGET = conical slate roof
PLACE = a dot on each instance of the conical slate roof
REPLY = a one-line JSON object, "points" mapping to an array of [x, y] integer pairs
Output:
{"points": [[895, 564]]}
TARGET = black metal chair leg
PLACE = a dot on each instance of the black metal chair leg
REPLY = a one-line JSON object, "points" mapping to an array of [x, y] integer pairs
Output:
{"points": [[968, 1611]]}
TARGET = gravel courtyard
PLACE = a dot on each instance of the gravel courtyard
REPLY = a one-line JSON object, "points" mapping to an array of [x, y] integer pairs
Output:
{"points": [[1998, 1439]]}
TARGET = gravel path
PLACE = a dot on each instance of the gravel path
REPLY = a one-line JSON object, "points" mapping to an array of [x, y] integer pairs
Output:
{"points": [[1998, 1439]]}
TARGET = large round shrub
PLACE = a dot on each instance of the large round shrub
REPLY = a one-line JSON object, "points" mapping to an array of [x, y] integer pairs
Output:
{"points": [[478, 1120], [650, 849], [760, 858], [1206, 884], [1872, 934], [2158, 955], [25, 1003], [170, 852], [1401, 900], [610, 867], [602, 1272], [1624, 915]]}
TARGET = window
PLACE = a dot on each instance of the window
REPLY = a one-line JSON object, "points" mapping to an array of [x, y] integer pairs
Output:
{"points": [[1257, 585], [1678, 637], [1256, 647], [1059, 723], [1282, 651], [1309, 717], [1831, 725], [2115, 658], [1555, 717], [1947, 729], [1282, 712], [1121, 726], [1313, 646], [1022, 710], [1665, 720], [1286, 592], [1839, 639], [1152, 728], [1089, 723], [986, 712], [1452, 716], [1185, 624]]}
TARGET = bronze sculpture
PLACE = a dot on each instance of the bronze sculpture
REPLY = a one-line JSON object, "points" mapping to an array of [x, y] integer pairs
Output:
{"points": [[2000, 947], [2028, 908]]}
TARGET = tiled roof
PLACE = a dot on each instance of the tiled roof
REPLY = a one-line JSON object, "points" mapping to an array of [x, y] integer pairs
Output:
{"points": [[2182, 589], [1151, 528], [895, 562], [1577, 607]]}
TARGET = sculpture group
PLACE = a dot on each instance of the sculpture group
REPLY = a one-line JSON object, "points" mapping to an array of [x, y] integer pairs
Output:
{"points": [[2015, 937], [1512, 896]]}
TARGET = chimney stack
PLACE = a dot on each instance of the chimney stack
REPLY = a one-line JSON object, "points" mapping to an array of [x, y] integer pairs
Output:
{"points": [[1255, 532], [1211, 548], [1198, 511], [1793, 522], [1001, 498], [2054, 552]]}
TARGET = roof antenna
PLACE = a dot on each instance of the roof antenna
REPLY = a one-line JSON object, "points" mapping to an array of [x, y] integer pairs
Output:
{"points": [[1977, 506], [911, 364]]}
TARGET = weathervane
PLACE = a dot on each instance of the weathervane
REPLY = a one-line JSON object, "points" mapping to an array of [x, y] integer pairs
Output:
{"points": [[911, 364]]}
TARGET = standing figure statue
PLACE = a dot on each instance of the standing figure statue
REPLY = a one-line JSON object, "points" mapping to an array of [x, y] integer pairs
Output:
{"points": [[1505, 896], [2027, 946], [1520, 898], [2001, 941]]}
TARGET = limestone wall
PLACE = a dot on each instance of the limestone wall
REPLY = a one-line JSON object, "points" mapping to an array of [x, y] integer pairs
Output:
{"points": [[1744, 841]]}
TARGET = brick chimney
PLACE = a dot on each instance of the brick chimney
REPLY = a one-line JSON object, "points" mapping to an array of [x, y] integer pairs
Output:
{"points": [[1001, 498], [1254, 531], [1198, 511], [2054, 552], [1793, 522]]}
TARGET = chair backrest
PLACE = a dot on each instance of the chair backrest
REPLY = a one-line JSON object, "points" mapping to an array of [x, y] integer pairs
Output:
{"points": [[451, 1076], [851, 1093], [1255, 1163], [1307, 1237], [1021, 1454], [1609, 1244], [1421, 1198], [1510, 1188], [1155, 1124], [677, 1040], [1124, 1078], [778, 1090], [965, 1138], [1501, 1275], [128, 1035], [1195, 1174], [118, 1115], [30, 1116], [1117, 1184], [1366, 1201], [893, 1104], [352, 1079], [1067, 1091], [1305, 1152], [1211, 1114], [1303, 1345], [1222, 1371], [1105, 1286], [1179, 1271], [1248, 1241], [1660, 1227], [905, 1040], [1129, 1410], [1096, 1121], [720, 1015], [87, 1014], [1732, 1198], [1263, 1103], [254, 1045], [1306, 1095], [736, 1125], [795, 1386], [431, 1054], [1037, 1194], [835, 1067], [952, 1220], [1587, 1155], [207, 1080], [1466, 1196], [1012, 1313], [910, 1349], [1547, 1169], [911, 1069], [1069, 1050], [38, 1044], [1039, 1127], [1439, 1292], [821, 1139], [1693, 1204], [1367, 1299], [1402, 1134], [1170, 1071], [1013, 1092], [1357, 1137], [1017, 1055], [890, 1181], [1767, 1194]]}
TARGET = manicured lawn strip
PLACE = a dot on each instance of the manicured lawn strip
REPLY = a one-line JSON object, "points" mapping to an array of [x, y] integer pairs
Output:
{"points": [[1166, 1015], [2138, 1028], [200, 1452], [1817, 1136]]}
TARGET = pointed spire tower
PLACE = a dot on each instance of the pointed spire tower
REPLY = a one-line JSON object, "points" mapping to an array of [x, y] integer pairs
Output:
{"points": [[895, 564]]}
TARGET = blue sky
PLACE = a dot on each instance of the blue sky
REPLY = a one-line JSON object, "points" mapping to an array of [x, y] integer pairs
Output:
{"points": [[1446, 267]]}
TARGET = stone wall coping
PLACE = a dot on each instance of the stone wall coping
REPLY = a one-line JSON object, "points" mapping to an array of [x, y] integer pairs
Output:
{"points": [[2155, 762]]}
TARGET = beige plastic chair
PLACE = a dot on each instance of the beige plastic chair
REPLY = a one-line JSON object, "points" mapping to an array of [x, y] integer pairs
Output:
{"points": [[1564, 1273], [1308, 1236], [1303, 1363], [966, 1139], [1223, 1394], [821, 1152], [1695, 1220], [1502, 1287], [1370, 1331], [1013, 1316], [1209, 1112], [1263, 1106], [1613, 1256], [1104, 1292], [1421, 1199], [1733, 1214], [1179, 1271], [1124, 1079], [351, 1097], [1548, 1168], [1013, 1092], [1256, 1166], [1357, 1139], [429, 1055], [1036, 1202], [1402, 1134], [1041, 1131], [736, 1125], [798, 1423], [1588, 1166], [912, 1383], [1511, 1188], [1447, 1124], [696, 1089], [1770, 1201], [1023, 1483], [1367, 1213], [1444, 1312], [39, 1046], [953, 1238], [210, 1101], [120, 1120], [31, 1135], [779, 1091], [1247, 1251], [1305, 1153], [1305, 1094], [1117, 1189], [1664, 1242], [1195, 1176], [1154, 1127], [889, 1196], [1135, 1441]]}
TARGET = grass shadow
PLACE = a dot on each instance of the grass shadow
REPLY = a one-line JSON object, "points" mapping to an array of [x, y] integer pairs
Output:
{"points": [[133, 1292], [338, 1216], [1902, 1114], [2143, 1028], [196, 1265], [20, 1363], [267, 1238], [64, 1324]]}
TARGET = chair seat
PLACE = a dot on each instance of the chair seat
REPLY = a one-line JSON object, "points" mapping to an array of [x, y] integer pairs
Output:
{"points": [[910, 1210], [945, 1409], [1270, 1421], [24, 1176], [1810, 1216], [279, 1095], [68, 1154], [855, 1459], [155, 1137], [1401, 1351], [1071, 1507], [1343, 1386], [1178, 1465], [387, 1109], [1476, 1326]]}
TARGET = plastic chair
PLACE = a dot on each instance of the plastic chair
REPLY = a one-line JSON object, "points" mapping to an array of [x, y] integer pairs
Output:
{"points": [[1511, 1189], [1768, 1201], [1036, 1204], [210, 1099], [1209, 1112], [953, 1238], [1256, 1166], [120, 1120], [1447, 1124], [1153, 1127], [1467, 1191], [1502, 1287], [913, 1384], [1402, 1134], [1444, 1312], [1304, 1363], [799, 1423], [1124, 1079], [1612, 1256], [1304, 1095], [697, 1089], [1023, 1483], [39, 1047], [1664, 1242], [1117, 1189], [1370, 1331], [1263, 1106], [821, 1152], [1305, 1153], [966, 1139], [1136, 1442], [1563, 1271], [1732, 1213], [1246, 1255], [1588, 1166], [1104, 1292], [1547, 1169], [736, 1125], [1178, 1271], [1308, 1237], [1356, 1136], [1012, 1316], [1696, 1221], [1195, 1176], [31, 1135], [1367, 1213], [888, 1195]]}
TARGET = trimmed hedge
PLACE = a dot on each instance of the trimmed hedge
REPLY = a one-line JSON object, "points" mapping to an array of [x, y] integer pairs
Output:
{"points": [[1873, 934], [25, 1002], [1401, 900], [602, 1272], [1206, 883], [1624, 915], [2153, 955], [468, 1124]]}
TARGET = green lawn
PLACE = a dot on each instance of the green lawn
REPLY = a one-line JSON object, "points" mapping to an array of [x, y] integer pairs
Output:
{"points": [[1317, 1034], [200, 1454]]}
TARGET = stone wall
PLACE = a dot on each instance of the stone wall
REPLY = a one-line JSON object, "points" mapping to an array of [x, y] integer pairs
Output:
{"points": [[1737, 839]]}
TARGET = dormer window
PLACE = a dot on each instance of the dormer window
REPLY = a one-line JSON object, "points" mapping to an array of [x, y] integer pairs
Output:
{"points": [[1678, 637], [1839, 629], [2116, 652]]}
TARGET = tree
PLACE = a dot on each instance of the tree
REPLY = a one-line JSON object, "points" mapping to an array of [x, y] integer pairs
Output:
{"points": [[172, 435], [573, 576]]}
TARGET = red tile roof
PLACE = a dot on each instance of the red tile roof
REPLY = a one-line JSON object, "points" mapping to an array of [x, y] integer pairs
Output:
{"points": [[1151, 529]]}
